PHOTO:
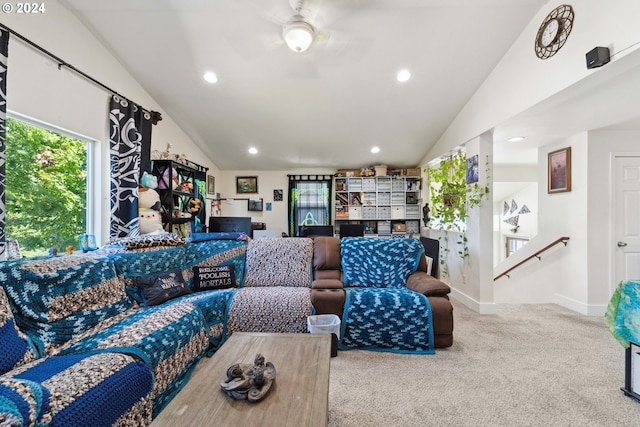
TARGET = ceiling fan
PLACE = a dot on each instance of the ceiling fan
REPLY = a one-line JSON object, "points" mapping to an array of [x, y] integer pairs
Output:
{"points": [[298, 33], [300, 25]]}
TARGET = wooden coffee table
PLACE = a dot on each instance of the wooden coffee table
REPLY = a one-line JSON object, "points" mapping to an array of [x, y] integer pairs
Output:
{"points": [[299, 397]]}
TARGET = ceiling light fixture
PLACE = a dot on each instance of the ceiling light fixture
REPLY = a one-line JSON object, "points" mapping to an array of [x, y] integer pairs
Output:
{"points": [[403, 76], [253, 150], [298, 33], [375, 150], [516, 139], [211, 77]]}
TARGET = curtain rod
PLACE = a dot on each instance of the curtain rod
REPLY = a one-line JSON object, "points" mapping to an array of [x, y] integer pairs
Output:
{"points": [[155, 116]]}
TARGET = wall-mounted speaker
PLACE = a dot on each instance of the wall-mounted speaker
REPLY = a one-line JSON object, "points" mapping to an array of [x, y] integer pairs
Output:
{"points": [[597, 57]]}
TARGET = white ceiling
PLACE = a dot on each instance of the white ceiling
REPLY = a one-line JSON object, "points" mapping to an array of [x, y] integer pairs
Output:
{"points": [[323, 108]]}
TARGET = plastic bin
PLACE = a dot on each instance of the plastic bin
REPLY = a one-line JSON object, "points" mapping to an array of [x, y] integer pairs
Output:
{"points": [[324, 324]]}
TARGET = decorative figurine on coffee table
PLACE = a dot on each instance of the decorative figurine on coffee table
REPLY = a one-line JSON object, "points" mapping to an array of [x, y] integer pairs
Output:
{"points": [[252, 382]]}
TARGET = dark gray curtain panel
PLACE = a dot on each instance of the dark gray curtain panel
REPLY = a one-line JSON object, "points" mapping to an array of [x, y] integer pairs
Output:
{"points": [[130, 141], [4, 55]]}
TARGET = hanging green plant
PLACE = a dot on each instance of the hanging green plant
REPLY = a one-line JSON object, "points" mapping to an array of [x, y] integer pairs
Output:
{"points": [[451, 200]]}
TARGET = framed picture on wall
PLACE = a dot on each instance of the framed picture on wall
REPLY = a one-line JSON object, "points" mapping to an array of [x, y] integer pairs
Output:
{"points": [[277, 195], [211, 184], [559, 170], [472, 170], [255, 205], [246, 184]]}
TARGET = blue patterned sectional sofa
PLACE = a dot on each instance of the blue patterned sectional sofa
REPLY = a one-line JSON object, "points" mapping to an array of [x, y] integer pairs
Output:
{"points": [[79, 346], [110, 337]]}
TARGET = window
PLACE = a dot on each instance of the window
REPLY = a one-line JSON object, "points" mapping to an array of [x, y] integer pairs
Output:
{"points": [[309, 201], [513, 244], [46, 186]]}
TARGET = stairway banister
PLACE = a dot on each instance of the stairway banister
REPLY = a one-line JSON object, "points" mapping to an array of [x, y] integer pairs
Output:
{"points": [[562, 240]]}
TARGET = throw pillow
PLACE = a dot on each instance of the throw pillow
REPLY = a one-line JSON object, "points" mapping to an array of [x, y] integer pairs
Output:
{"points": [[148, 241], [214, 277], [159, 289]]}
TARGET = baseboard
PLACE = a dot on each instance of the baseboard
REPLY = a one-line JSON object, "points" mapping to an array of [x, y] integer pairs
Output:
{"points": [[597, 310], [579, 306], [478, 307]]}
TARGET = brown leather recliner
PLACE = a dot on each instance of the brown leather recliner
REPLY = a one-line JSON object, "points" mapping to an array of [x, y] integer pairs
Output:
{"points": [[328, 296]]}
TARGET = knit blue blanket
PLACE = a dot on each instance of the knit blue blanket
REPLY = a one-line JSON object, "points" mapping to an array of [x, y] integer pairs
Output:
{"points": [[378, 262], [93, 389], [393, 320]]}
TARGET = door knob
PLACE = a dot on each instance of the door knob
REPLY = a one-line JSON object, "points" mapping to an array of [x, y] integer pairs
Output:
{"points": [[621, 244]]}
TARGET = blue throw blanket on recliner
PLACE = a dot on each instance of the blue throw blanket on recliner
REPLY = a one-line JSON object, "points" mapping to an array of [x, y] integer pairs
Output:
{"points": [[380, 313], [379, 263], [394, 320]]}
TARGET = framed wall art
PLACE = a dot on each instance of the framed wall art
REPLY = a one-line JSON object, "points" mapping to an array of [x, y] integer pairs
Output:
{"points": [[255, 205], [559, 170], [211, 184], [472, 170], [246, 184]]}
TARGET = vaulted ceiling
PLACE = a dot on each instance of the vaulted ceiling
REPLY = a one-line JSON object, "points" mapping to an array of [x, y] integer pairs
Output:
{"points": [[322, 108]]}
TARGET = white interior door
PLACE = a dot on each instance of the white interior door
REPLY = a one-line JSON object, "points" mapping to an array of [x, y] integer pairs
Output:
{"points": [[626, 218]]}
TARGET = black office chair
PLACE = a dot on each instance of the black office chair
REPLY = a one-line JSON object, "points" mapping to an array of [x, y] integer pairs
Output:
{"points": [[432, 250], [351, 230], [315, 230]]}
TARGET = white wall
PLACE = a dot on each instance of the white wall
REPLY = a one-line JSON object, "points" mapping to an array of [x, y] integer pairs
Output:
{"points": [[471, 279], [579, 276], [603, 145], [277, 218], [521, 80], [527, 223], [36, 88], [561, 275]]}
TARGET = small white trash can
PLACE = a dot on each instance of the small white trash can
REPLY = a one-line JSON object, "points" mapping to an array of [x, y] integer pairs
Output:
{"points": [[324, 324]]}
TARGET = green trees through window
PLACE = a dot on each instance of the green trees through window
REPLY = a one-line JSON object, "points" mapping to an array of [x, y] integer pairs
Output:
{"points": [[46, 188]]}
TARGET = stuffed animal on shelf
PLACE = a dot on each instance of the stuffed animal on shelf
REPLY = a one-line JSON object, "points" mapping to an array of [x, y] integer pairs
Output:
{"points": [[149, 181], [150, 221], [148, 198], [194, 206], [149, 217], [186, 186], [164, 181]]}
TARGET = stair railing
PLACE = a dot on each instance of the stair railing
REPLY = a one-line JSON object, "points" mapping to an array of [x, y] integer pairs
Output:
{"points": [[562, 240]]}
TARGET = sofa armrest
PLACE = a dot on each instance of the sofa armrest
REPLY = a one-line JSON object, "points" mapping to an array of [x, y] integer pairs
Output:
{"points": [[327, 284], [427, 285]]}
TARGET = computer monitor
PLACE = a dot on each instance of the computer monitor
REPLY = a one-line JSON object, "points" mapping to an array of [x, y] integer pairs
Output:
{"points": [[351, 230], [315, 230], [230, 224]]}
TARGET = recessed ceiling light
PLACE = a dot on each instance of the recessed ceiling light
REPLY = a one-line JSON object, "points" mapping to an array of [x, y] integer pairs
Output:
{"points": [[253, 150], [375, 149], [211, 77], [403, 76], [516, 139]]}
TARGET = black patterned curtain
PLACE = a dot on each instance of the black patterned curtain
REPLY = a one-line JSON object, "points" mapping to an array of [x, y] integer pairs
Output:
{"points": [[130, 142], [4, 55], [309, 201]]}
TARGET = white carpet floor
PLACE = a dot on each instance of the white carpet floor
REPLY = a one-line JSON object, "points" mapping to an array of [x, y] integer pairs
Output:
{"points": [[527, 365]]}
